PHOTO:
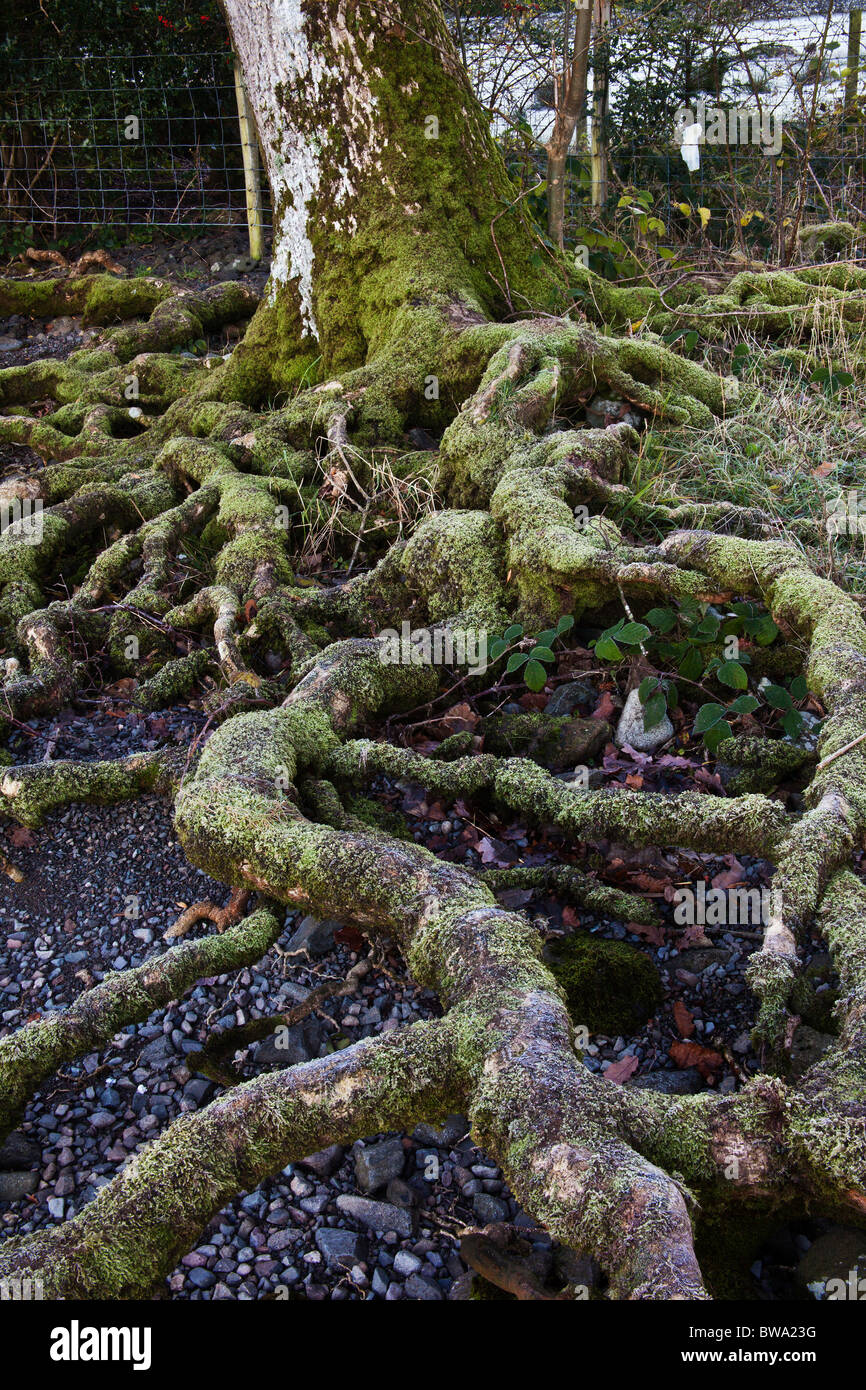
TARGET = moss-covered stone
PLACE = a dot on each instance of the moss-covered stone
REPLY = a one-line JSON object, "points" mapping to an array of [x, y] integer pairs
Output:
{"points": [[611, 987]]}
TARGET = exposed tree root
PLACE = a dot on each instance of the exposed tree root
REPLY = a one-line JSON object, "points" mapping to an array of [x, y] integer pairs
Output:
{"points": [[624, 1175]]}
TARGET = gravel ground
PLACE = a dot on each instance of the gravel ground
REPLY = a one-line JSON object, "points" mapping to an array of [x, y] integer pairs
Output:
{"points": [[66, 926], [381, 1220]]}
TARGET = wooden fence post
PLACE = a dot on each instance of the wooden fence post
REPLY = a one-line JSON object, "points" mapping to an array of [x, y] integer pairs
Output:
{"points": [[853, 63], [252, 172]]}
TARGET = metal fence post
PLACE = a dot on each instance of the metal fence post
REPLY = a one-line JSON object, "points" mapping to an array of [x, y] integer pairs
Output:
{"points": [[252, 173]]}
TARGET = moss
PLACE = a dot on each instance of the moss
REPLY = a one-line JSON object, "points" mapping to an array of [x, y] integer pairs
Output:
{"points": [[611, 987], [556, 743], [373, 813], [455, 562]]}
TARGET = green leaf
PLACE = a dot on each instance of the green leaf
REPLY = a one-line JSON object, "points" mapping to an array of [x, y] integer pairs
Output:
{"points": [[692, 665], [535, 675], [655, 710], [707, 717], [716, 735], [777, 696], [565, 624], [765, 631], [792, 723], [633, 633], [496, 648], [798, 688], [512, 633], [515, 661], [607, 650], [744, 704], [546, 638], [646, 688], [662, 618], [733, 674], [708, 627], [541, 654]]}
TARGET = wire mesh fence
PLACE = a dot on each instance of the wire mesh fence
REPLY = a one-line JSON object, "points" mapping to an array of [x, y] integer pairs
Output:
{"points": [[133, 140], [124, 140]]}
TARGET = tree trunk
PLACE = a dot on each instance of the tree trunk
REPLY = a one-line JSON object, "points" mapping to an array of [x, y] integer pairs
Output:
{"points": [[569, 95], [391, 200]]}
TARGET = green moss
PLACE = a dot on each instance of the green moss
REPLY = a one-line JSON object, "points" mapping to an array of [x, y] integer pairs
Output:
{"points": [[611, 987]]}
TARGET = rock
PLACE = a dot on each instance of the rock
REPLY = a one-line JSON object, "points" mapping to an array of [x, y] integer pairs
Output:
{"points": [[10, 344], [839, 1254], [671, 1083], [159, 1054], [405, 1263], [603, 411], [566, 698], [553, 743], [201, 1278], [64, 324], [314, 937], [379, 1216], [455, 1128], [14, 1186], [57, 1207], [807, 1048], [630, 729], [400, 1194], [423, 1289], [489, 1209], [18, 1152], [324, 1162], [611, 987], [376, 1165], [340, 1249], [244, 264], [289, 1046], [698, 958]]}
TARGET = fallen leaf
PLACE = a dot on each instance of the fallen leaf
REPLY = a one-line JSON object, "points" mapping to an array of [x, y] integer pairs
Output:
{"points": [[647, 884], [683, 1019], [605, 707], [622, 1070], [648, 931], [735, 873], [690, 1054], [458, 718], [22, 838], [570, 917]]}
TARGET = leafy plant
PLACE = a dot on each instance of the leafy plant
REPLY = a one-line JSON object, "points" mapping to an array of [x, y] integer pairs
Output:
{"points": [[530, 654], [678, 639]]}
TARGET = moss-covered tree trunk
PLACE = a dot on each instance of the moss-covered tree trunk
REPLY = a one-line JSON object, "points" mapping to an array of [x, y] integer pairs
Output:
{"points": [[391, 202]]}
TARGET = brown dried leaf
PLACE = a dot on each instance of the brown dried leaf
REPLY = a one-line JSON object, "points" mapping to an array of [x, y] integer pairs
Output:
{"points": [[621, 1071], [683, 1019]]}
